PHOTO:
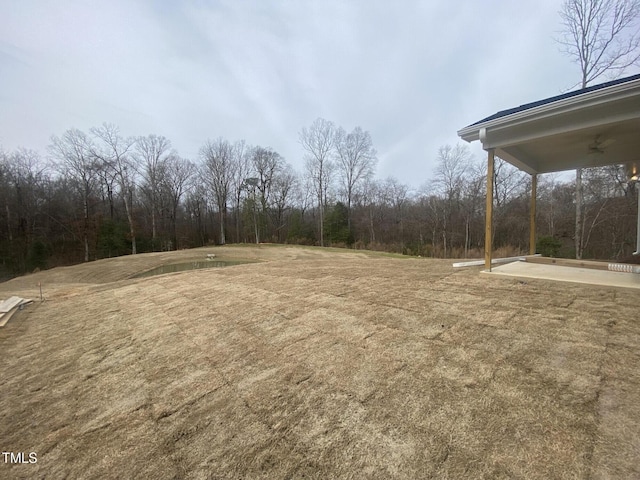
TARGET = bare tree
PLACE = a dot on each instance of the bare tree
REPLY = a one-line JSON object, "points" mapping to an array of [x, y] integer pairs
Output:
{"points": [[219, 167], [265, 164], [302, 194], [5, 169], [602, 37], [107, 185], [114, 152], [319, 141], [508, 183], [603, 185], [242, 155], [74, 152], [397, 194], [432, 214], [25, 175], [282, 189], [356, 161], [372, 193], [511, 187], [473, 195], [175, 181], [448, 183], [151, 153], [196, 206]]}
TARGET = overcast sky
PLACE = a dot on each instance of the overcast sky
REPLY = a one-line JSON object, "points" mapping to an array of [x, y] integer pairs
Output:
{"points": [[412, 73]]}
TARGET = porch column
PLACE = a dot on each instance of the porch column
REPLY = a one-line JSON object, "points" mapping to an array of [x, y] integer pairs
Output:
{"points": [[637, 252], [532, 215], [488, 237]]}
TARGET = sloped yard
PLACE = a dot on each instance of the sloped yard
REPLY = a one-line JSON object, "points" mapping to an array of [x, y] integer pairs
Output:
{"points": [[317, 364]]}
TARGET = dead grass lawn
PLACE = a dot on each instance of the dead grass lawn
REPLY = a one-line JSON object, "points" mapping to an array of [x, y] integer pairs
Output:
{"points": [[318, 364]]}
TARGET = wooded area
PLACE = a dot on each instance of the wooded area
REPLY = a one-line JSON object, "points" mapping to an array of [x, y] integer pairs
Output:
{"points": [[100, 194]]}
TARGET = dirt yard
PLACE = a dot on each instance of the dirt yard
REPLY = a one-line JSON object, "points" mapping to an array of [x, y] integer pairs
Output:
{"points": [[317, 364]]}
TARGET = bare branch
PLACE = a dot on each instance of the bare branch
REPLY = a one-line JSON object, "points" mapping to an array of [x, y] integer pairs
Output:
{"points": [[602, 36]]}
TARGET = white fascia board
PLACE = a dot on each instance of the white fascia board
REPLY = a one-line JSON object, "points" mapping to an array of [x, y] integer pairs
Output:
{"points": [[503, 137], [558, 107]]}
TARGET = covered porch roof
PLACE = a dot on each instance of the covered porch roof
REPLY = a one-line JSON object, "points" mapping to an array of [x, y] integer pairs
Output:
{"points": [[594, 126], [591, 127]]}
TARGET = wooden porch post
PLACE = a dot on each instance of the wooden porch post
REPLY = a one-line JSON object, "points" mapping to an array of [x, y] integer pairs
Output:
{"points": [[532, 215], [488, 238]]}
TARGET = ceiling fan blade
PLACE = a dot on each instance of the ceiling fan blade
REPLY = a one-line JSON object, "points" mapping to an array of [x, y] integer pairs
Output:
{"points": [[606, 143]]}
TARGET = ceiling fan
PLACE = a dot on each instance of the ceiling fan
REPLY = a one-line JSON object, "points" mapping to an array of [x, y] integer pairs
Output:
{"points": [[599, 145]]}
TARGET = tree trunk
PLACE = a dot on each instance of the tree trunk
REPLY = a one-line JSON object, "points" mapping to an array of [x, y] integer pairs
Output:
{"points": [[255, 221], [372, 231], [86, 228], [237, 215], [466, 238], [128, 207], [111, 208], [9, 224], [222, 238], [433, 242], [174, 229], [321, 224], [444, 242], [153, 224], [349, 210]]}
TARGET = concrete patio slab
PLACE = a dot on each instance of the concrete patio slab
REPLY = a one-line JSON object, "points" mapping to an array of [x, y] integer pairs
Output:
{"points": [[567, 274]]}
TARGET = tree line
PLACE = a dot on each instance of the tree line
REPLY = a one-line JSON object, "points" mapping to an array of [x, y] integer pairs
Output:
{"points": [[99, 194]]}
